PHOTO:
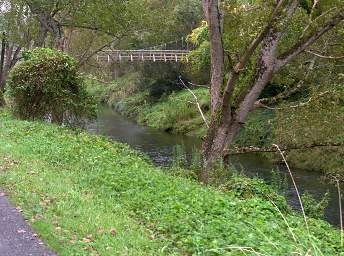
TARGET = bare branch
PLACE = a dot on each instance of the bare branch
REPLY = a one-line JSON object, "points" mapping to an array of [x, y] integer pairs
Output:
{"points": [[82, 62], [197, 102], [251, 149], [340, 211], [317, 18], [88, 27], [199, 85], [323, 56]]}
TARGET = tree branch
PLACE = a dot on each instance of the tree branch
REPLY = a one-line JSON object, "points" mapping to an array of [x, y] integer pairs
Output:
{"points": [[308, 41], [287, 93], [197, 102], [88, 27], [323, 56], [251, 149], [82, 62], [301, 104], [234, 75]]}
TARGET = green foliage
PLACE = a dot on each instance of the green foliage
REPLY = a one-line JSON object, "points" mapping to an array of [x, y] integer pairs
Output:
{"points": [[175, 113], [178, 113], [320, 120], [112, 92], [314, 208], [132, 106], [73, 185], [199, 35], [199, 58], [246, 188], [257, 130], [47, 85]]}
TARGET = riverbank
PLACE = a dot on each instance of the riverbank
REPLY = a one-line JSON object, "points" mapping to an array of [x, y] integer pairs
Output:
{"points": [[176, 113], [86, 195]]}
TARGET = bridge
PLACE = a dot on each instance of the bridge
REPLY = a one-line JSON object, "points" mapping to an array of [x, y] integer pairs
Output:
{"points": [[173, 51], [143, 55]]}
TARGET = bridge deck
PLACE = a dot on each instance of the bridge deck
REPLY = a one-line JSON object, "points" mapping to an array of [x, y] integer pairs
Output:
{"points": [[143, 55]]}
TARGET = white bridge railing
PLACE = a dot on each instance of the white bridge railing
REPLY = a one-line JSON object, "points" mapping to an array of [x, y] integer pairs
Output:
{"points": [[143, 55]]}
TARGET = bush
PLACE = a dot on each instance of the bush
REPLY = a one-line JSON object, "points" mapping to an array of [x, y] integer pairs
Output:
{"points": [[47, 85]]}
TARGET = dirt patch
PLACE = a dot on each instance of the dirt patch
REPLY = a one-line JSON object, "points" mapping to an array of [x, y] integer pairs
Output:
{"points": [[6, 163]]}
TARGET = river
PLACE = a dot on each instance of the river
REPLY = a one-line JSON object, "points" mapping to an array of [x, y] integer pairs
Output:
{"points": [[159, 146]]}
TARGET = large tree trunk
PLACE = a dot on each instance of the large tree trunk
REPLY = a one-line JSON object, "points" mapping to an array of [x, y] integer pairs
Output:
{"points": [[2, 61], [11, 58], [214, 19], [225, 123], [227, 119]]}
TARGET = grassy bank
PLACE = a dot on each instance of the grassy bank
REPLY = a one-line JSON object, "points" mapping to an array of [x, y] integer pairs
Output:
{"points": [[86, 195], [176, 112]]}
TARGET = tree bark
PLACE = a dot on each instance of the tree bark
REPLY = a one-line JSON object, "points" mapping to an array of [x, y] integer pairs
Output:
{"points": [[2, 61], [213, 16], [226, 119], [11, 59], [226, 125]]}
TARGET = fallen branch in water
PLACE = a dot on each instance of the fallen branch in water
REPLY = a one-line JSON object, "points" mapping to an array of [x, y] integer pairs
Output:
{"points": [[251, 149]]}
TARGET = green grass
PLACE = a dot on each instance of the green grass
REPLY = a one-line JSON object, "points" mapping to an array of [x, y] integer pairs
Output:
{"points": [[86, 195], [178, 113], [175, 113]]}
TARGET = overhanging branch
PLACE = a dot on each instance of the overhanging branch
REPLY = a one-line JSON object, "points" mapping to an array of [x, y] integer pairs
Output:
{"points": [[323, 56], [88, 27], [308, 41], [272, 149]]}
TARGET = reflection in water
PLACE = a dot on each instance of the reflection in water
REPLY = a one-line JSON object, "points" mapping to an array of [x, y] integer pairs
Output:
{"points": [[159, 146]]}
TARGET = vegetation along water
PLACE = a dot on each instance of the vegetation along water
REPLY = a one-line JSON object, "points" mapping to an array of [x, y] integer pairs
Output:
{"points": [[185, 127]]}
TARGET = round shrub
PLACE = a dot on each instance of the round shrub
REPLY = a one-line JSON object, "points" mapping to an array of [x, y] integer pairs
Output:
{"points": [[47, 85]]}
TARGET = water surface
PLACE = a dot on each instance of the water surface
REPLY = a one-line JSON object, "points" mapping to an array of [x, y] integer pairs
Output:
{"points": [[160, 146]]}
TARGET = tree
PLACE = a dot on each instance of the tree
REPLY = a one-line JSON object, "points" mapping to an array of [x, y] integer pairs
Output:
{"points": [[16, 27], [265, 56]]}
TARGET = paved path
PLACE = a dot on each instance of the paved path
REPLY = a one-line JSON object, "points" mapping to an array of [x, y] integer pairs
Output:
{"points": [[16, 236]]}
